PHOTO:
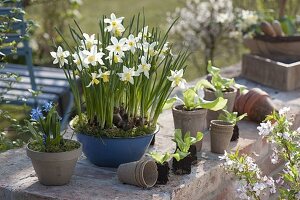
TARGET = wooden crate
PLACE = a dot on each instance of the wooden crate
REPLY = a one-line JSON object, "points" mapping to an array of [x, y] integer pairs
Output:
{"points": [[275, 74]]}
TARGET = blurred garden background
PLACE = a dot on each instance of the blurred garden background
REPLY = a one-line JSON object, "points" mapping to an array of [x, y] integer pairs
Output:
{"points": [[211, 29], [60, 13]]}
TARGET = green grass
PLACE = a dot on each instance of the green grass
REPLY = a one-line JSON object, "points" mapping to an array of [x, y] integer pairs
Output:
{"points": [[155, 11]]}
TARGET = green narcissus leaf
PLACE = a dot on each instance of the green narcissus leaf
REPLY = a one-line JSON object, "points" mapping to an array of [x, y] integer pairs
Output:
{"points": [[215, 105]]}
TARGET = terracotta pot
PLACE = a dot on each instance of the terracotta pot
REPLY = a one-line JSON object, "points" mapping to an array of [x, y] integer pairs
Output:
{"points": [[256, 103], [210, 95], [190, 121], [220, 135], [142, 173], [54, 168]]}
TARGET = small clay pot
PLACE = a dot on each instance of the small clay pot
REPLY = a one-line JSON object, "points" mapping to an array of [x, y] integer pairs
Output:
{"points": [[230, 95], [220, 135], [142, 173], [256, 103], [183, 166], [54, 169], [163, 173], [236, 133], [191, 121]]}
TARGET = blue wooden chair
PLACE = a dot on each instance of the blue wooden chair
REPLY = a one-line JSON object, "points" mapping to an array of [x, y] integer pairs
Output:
{"points": [[50, 81]]}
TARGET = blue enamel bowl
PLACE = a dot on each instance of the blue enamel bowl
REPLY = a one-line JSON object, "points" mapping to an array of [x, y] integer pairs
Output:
{"points": [[111, 152]]}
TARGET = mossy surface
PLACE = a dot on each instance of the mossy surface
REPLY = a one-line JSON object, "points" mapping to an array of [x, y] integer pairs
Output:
{"points": [[114, 132], [63, 146]]}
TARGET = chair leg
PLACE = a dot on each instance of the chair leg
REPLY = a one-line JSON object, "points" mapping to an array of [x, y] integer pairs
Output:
{"points": [[67, 113], [29, 64]]}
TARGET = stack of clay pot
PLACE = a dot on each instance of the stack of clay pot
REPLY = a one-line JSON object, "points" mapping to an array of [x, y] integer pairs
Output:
{"points": [[256, 103]]}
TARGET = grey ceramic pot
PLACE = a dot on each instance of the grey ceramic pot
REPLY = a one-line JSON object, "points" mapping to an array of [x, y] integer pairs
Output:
{"points": [[54, 168], [192, 121], [220, 135], [210, 95]]}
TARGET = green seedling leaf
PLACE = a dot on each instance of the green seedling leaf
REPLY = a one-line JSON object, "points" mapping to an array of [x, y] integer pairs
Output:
{"points": [[204, 84], [179, 155], [215, 105], [199, 136], [190, 98]]}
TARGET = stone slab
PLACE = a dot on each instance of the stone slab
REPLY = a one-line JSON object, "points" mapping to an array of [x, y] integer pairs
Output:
{"points": [[208, 181], [18, 179], [276, 74]]}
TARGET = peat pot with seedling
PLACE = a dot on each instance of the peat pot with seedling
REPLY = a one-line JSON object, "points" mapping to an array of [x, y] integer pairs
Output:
{"points": [[183, 156], [218, 86], [190, 114]]}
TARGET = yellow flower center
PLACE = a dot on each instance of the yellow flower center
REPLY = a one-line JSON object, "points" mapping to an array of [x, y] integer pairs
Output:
{"points": [[95, 81], [177, 80], [91, 58], [145, 67], [89, 45], [131, 43], [118, 32], [114, 24], [127, 76], [105, 78], [116, 59], [118, 48]]}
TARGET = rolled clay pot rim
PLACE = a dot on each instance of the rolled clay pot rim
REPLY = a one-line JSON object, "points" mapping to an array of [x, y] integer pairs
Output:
{"points": [[198, 110], [211, 91], [221, 123]]}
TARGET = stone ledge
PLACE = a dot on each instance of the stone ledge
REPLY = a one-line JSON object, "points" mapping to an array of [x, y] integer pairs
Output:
{"points": [[207, 180], [18, 180]]}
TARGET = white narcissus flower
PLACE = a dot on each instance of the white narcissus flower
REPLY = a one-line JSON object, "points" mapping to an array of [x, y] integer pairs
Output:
{"points": [[144, 67], [118, 46], [93, 56], [176, 78], [94, 80], [104, 75], [115, 24], [265, 128], [149, 49], [144, 34], [78, 60], [116, 59], [60, 56], [89, 41], [132, 43], [128, 74]]}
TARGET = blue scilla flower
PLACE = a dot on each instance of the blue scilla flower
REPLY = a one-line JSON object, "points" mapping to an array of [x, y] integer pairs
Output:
{"points": [[36, 114], [47, 106], [44, 139]]}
